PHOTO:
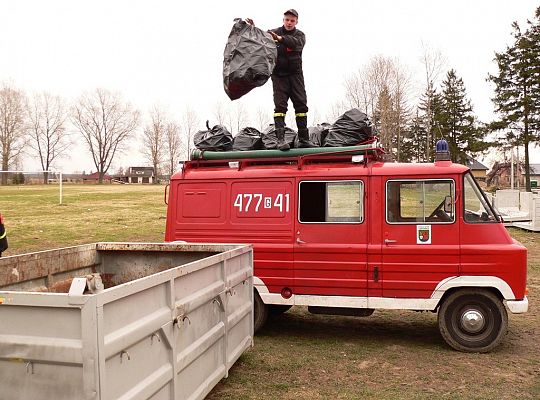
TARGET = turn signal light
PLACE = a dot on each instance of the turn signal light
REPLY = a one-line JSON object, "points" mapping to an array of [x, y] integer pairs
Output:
{"points": [[526, 291]]}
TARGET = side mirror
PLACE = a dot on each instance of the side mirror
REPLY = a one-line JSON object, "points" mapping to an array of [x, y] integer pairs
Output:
{"points": [[448, 203]]}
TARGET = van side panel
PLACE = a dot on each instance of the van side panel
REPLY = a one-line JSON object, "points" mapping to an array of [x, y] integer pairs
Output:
{"points": [[261, 213], [488, 249], [239, 211]]}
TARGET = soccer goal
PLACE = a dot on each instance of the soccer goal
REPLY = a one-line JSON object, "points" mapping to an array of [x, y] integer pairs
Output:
{"points": [[32, 177]]}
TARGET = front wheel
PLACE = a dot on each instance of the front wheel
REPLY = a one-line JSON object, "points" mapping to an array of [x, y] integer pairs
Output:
{"points": [[473, 320]]}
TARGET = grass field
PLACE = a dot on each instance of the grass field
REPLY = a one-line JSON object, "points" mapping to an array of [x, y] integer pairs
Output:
{"points": [[390, 355], [89, 213]]}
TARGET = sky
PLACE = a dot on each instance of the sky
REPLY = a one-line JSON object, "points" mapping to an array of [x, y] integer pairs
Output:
{"points": [[170, 53]]}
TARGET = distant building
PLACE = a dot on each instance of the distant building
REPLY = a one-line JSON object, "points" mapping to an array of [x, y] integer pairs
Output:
{"points": [[137, 175], [534, 173], [94, 178], [500, 175], [478, 169]]}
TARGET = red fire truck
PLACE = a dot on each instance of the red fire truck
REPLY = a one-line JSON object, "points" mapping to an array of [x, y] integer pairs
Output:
{"points": [[343, 232]]}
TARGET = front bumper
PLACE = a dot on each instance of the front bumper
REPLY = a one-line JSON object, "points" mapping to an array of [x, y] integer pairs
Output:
{"points": [[518, 306]]}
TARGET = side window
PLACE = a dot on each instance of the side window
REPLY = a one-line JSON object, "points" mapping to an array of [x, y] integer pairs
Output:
{"points": [[331, 201], [420, 201], [477, 208]]}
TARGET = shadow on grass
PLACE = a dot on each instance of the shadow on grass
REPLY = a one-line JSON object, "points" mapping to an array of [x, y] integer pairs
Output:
{"points": [[381, 329]]}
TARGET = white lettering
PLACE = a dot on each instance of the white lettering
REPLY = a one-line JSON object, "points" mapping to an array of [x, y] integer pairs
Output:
{"points": [[249, 196], [244, 201], [279, 202], [238, 202], [259, 197]]}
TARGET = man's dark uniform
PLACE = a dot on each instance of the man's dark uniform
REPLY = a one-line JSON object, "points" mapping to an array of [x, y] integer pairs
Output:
{"points": [[3, 236], [288, 82]]}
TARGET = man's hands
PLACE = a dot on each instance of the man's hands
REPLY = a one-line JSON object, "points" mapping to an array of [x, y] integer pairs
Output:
{"points": [[275, 36]]}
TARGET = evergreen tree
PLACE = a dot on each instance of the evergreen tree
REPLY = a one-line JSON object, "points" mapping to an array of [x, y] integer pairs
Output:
{"points": [[517, 89], [414, 141], [431, 106], [383, 120], [457, 122]]}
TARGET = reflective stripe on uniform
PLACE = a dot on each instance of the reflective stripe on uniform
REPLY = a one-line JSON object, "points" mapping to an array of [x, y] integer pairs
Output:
{"points": [[4, 235], [301, 114], [279, 114]]}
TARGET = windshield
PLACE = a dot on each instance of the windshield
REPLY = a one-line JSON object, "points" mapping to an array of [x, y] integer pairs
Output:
{"points": [[477, 207]]}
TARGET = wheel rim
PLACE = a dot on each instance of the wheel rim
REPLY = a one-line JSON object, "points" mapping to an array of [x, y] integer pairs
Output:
{"points": [[472, 321], [473, 324]]}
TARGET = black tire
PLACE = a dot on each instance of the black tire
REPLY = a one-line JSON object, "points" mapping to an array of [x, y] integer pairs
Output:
{"points": [[277, 309], [260, 311], [473, 320]]}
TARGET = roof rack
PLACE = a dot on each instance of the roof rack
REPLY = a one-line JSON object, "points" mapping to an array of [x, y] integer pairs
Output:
{"points": [[370, 151]]}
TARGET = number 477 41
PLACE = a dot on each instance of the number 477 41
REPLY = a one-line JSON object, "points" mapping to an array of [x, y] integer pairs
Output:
{"points": [[255, 202]]}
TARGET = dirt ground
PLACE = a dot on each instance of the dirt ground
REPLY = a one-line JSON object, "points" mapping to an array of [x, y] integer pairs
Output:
{"points": [[390, 355]]}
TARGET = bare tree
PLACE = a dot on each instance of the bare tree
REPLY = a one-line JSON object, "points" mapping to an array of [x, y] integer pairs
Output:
{"points": [[337, 109], [220, 112], [382, 89], [106, 123], [154, 135], [190, 120], [402, 110], [240, 117], [263, 118], [12, 129], [363, 89], [173, 146], [434, 62], [47, 115]]}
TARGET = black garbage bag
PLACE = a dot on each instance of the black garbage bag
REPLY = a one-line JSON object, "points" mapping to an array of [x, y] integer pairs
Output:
{"points": [[217, 138], [248, 60], [269, 137], [318, 133], [248, 139], [350, 129]]}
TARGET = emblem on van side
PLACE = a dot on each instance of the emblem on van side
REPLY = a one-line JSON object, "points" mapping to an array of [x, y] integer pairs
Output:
{"points": [[423, 234]]}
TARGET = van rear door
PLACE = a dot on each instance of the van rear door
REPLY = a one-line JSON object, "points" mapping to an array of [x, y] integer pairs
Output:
{"points": [[330, 238]]}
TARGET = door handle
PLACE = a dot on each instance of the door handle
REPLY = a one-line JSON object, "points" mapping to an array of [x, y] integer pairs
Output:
{"points": [[299, 241], [375, 274], [389, 241]]}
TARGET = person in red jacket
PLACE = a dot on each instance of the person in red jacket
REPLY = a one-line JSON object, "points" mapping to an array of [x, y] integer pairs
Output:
{"points": [[3, 236], [288, 79]]}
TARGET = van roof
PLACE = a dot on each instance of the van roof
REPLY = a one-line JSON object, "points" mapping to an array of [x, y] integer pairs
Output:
{"points": [[331, 168]]}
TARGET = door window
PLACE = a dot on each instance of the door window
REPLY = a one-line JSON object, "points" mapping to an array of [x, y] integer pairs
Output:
{"points": [[420, 201], [331, 202], [477, 207]]}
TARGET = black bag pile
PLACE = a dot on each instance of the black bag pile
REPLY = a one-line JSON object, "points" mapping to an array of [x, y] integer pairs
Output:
{"points": [[350, 129], [248, 60], [248, 139], [318, 133], [217, 138], [269, 137]]}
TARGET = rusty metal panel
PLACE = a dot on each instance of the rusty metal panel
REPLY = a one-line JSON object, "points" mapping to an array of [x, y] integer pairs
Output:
{"points": [[169, 324]]}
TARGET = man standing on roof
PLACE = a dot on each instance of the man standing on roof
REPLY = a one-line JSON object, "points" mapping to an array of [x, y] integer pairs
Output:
{"points": [[288, 79]]}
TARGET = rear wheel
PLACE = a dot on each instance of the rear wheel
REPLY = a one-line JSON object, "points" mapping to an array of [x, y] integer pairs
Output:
{"points": [[473, 320], [260, 311]]}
